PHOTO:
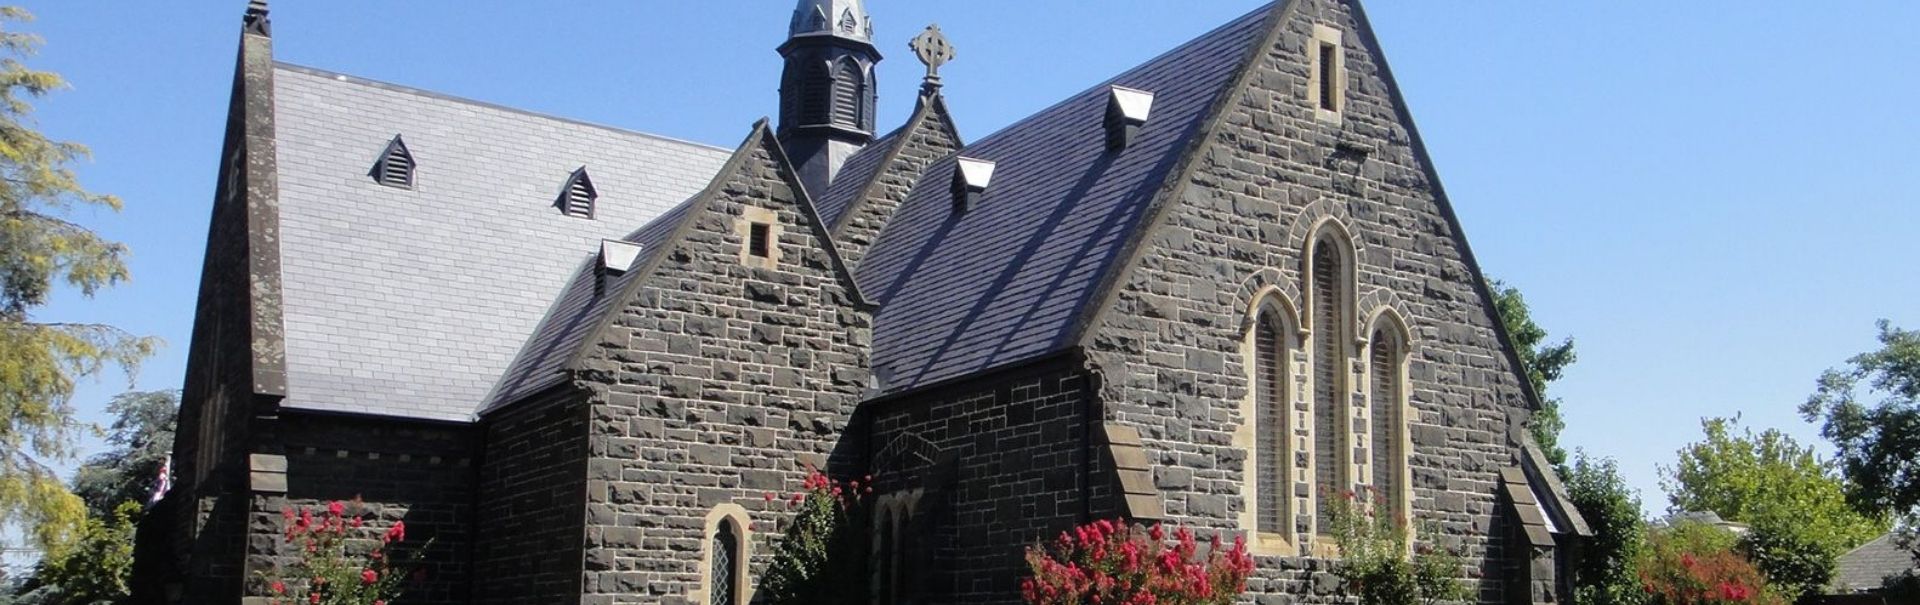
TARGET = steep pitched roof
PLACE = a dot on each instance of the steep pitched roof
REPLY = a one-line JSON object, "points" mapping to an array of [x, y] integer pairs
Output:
{"points": [[588, 303], [857, 174], [1864, 568], [1006, 280], [576, 313], [412, 302]]}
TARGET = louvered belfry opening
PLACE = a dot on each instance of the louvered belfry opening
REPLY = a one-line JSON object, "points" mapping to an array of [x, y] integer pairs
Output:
{"points": [[849, 86], [725, 550], [578, 197], [1329, 74], [1328, 359], [1386, 349], [815, 92], [394, 168], [1269, 361]]}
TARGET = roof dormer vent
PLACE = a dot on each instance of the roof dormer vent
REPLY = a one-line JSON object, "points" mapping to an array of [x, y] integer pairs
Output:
{"points": [[578, 196], [395, 166], [618, 256], [970, 179], [1127, 111]]}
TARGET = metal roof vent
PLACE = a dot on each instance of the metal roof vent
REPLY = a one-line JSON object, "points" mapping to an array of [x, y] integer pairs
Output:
{"points": [[1127, 110], [970, 179], [618, 256], [395, 166], [578, 196]]}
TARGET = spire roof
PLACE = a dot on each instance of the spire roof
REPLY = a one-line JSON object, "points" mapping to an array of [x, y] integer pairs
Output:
{"points": [[839, 18]]}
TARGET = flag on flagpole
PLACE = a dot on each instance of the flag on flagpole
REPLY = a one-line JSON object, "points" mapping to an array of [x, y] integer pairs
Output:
{"points": [[162, 483]]}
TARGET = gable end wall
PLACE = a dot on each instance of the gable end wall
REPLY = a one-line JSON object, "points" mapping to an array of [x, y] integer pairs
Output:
{"points": [[1170, 343], [715, 384]]}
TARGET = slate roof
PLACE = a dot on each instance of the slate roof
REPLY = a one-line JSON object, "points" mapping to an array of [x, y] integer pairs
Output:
{"points": [[412, 303], [1863, 568], [854, 176], [1006, 281], [587, 298]]}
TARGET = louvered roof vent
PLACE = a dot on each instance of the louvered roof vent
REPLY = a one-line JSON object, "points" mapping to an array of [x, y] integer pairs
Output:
{"points": [[394, 168], [577, 197], [970, 179], [1127, 111]]}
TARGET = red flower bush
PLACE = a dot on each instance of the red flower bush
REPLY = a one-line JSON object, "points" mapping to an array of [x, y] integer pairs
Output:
{"points": [[339, 562], [1696, 564], [1108, 562]]}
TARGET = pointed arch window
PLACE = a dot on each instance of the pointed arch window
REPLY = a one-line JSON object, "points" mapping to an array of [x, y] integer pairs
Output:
{"points": [[725, 546], [1387, 430], [577, 197], [1270, 429], [849, 94], [394, 167], [1329, 282]]}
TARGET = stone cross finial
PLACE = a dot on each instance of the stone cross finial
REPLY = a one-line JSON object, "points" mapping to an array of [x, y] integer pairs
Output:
{"points": [[934, 50]]}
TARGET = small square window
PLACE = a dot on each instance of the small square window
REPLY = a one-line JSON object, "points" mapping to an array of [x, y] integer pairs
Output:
{"points": [[760, 240]]}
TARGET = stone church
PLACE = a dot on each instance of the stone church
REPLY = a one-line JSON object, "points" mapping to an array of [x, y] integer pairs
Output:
{"points": [[1214, 290]]}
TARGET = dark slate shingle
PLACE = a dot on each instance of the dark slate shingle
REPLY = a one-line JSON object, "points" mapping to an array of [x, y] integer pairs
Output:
{"points": [[854, 177], [577, 312], [1006, 280]]}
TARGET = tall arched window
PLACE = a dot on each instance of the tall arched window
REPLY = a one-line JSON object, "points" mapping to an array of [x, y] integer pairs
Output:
{"points": [[1389, 419], [1270, 417], [849, 93], [1332, 321], [725, 546]]}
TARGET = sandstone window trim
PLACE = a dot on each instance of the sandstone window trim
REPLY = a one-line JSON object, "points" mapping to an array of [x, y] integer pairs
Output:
{"points": [[759, 230], [1327, 73], [734, 518], [1270, 437], [1329, 279], [1389, 353]]}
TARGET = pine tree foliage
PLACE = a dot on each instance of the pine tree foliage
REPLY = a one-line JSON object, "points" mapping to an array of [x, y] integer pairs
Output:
{"points": [[41, 248]]}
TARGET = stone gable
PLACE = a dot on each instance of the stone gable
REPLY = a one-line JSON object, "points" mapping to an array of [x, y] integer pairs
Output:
{"points": [[929, 136], [1275, 167], [714, 382]]}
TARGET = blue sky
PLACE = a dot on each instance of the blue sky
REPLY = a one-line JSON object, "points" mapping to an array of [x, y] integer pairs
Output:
{"points": [[1715, 199]]}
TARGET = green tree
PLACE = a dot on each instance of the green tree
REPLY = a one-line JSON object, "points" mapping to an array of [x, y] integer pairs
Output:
{"points": [[39, 247], [1794, 503], [1878, 440], [141, 437], [94, 570], [1543, 363], [1603, 574]]}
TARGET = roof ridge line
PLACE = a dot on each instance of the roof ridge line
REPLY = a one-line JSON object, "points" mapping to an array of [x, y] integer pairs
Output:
{"points": [[404, 89]]}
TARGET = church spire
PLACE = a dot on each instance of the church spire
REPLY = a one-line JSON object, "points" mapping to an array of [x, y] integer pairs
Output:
{"points": [[827, 91]]}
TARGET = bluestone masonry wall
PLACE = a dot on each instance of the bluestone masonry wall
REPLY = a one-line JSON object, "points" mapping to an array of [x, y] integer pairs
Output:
{"points": [[999, 463], [532, 503], [711, 386], [1170, 344]]}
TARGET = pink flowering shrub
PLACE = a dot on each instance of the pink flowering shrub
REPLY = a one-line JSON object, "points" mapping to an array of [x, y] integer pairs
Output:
{"points": [[820, 559], [334, 565], [1108, 562]]}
